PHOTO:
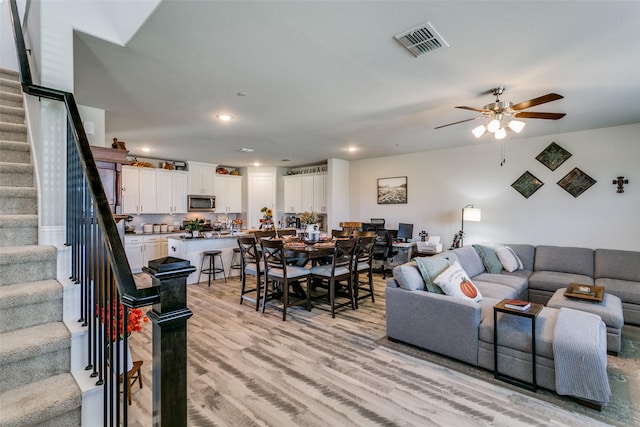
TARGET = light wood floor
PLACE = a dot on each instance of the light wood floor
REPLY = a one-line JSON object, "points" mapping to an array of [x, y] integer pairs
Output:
{"points": [[249, 369]]}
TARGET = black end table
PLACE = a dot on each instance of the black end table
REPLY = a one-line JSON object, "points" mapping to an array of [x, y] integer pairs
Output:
{"points": [[530, 313]]}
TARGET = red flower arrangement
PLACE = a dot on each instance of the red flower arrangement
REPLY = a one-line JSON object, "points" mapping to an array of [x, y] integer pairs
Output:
{"points": [[134, 320]]}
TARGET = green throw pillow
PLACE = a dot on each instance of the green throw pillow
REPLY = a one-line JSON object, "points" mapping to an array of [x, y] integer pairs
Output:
{"points": [[430, 268], [489, 258]]}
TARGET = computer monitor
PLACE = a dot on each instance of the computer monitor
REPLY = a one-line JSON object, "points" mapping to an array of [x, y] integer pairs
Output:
{"points": [[405, 232]]}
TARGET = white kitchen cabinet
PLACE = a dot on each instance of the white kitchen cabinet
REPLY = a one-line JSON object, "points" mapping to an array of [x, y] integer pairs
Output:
{"points": [[228, 194], [142, 249], [202, 178], [305, 193], [320, 193], [138, 190], [171, 191]]}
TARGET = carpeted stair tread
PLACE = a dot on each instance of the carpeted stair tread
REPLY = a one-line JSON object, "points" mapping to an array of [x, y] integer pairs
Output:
{"points": [[10, 85], [15, 152], [18, 200], [29, 253], [11, 99], [38, 402], [13, 127], [23, 305], [9, 74], [11, 114], [39, 339], [7, 221], [16, 174]]}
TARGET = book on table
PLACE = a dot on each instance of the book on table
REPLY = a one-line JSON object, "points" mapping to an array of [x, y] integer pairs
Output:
{"points": [[516, 304]]}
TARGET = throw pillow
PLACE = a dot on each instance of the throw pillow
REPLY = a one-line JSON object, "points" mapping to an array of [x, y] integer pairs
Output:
{"points": [[489, 258], [408, 277], [508, 258], [455, 283], [430, 268]]}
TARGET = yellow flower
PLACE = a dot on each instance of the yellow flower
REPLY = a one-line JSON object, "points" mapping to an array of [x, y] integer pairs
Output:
{"points": [[268, 213]]}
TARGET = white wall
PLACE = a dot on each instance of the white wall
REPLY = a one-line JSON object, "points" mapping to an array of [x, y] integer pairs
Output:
{"points": [[97, 117], [441, 182]]}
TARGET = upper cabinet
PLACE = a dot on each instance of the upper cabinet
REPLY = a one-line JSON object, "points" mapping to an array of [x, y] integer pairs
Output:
{"points": [[151, 191], [138, 190], [228, 192], [171, 191], [305, 193], [202, 178]]}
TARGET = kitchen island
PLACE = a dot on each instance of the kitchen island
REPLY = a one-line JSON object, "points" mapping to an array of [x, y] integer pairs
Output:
{"points": [[192, 248]]}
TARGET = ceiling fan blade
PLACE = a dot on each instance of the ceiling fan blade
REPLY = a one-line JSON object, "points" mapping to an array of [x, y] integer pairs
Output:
{"points": [[537, 101], [536, 115], [461, 121], [479, 110]]}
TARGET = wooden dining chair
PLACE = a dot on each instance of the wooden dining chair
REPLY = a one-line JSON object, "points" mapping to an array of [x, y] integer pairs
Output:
{"points": [[259, 235], [277, 272], [250, 257], [340, 269], [367, 233], [289, 232], [363, 260], [340, 233]]}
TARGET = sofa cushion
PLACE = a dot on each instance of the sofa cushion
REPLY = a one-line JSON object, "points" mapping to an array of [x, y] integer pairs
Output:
{"points": [[508, 258], [455, 282], [616, 264], [408, 276], [495, 290], [626, 290], [526, 253], [553, 280], [520, 284], [564, 260], [469, 260], [430, 268], [489, 258], [518, 273]]}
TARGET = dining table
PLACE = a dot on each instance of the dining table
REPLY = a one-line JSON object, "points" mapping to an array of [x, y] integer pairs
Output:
{"points": [[303, 252]]}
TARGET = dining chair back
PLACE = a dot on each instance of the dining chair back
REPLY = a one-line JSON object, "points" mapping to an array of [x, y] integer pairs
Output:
{"points": [[340, 233], [363, 260], [282, 276], [340, 269], [250, 257], [259, 235], [288, 232]]}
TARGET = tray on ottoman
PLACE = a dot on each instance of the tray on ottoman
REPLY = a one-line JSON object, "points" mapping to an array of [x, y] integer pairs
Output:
{"points": [[585, 292]]}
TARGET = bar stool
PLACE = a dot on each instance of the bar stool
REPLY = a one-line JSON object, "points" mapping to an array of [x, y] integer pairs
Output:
{"points": [[212, 270], [236, 261]]}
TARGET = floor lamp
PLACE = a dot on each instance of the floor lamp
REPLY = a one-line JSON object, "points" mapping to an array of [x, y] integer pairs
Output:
{"points": [[469, 213]]}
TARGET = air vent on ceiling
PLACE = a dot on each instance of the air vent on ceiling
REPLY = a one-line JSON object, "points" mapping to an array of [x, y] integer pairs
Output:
{"points": [[421, 39]]}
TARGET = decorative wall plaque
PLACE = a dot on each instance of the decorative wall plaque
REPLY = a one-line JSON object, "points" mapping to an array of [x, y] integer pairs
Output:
{"points": [[553, 156], [527, 184], [576, 182]]}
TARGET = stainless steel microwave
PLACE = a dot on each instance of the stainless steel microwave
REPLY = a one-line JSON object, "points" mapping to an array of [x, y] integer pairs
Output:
{"points": [[198, 203]]}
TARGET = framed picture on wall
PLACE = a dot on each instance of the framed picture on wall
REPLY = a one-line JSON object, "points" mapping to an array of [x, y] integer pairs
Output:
{"points": [[392, 190]]}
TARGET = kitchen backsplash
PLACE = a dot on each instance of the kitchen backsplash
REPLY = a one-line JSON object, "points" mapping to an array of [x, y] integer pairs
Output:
{"points": [[176, 220]]}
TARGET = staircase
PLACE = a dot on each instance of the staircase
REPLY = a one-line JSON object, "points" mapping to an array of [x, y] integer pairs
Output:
{"points": [[36, 386]]}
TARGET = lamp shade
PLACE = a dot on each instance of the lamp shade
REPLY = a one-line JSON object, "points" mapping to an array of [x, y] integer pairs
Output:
{"points": [[516, 125], [479, 131], [471, 214]]}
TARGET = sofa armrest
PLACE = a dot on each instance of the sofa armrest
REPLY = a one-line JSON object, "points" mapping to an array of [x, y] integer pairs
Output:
{"points": [[435, 322]]}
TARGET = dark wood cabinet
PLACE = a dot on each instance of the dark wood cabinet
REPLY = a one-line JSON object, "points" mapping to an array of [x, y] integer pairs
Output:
{"points": [[109, 162]]}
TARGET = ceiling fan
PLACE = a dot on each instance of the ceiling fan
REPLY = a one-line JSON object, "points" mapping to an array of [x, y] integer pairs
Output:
{"points": [[501, 115]]}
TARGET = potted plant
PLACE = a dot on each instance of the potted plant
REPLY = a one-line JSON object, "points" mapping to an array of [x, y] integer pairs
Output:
{"points": [[195, 226], [310, 220]]}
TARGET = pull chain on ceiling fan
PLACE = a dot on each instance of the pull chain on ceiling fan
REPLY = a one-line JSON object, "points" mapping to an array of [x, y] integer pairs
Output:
{"points": [[501, 116]]}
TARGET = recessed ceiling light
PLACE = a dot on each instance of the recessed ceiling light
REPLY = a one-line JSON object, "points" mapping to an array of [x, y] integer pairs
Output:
{"points": [[352, 149], [256, 164], [246, 150], [146, 149], [224, 117]]}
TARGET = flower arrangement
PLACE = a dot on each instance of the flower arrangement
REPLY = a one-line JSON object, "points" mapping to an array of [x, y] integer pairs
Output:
{"points": [[267, 221], [308, 218], [135, 318]]}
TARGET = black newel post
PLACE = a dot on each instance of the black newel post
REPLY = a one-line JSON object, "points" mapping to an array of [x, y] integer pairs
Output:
{"points": [[169, 319]]}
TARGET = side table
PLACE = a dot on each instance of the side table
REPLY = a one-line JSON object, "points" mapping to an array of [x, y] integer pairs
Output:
{"points": [[530, 313]]}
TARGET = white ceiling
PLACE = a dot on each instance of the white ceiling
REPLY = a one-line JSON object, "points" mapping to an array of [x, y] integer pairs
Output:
{"points": [[324, 75]]}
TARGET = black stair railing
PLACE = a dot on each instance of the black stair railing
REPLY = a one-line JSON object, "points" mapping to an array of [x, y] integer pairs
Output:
{"points": [[108, 290]]}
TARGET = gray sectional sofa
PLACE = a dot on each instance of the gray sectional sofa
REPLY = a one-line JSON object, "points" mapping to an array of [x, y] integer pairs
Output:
{"points": [[463, 329]]}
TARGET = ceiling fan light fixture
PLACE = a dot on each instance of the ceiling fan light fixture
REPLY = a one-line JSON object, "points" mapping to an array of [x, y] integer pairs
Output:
{"points": [[493, 125], [479, 131], [516, 125], [501, 133]]}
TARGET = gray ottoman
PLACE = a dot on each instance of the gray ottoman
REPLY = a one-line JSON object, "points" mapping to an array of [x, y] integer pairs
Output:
{"points": [[609, 310]]}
